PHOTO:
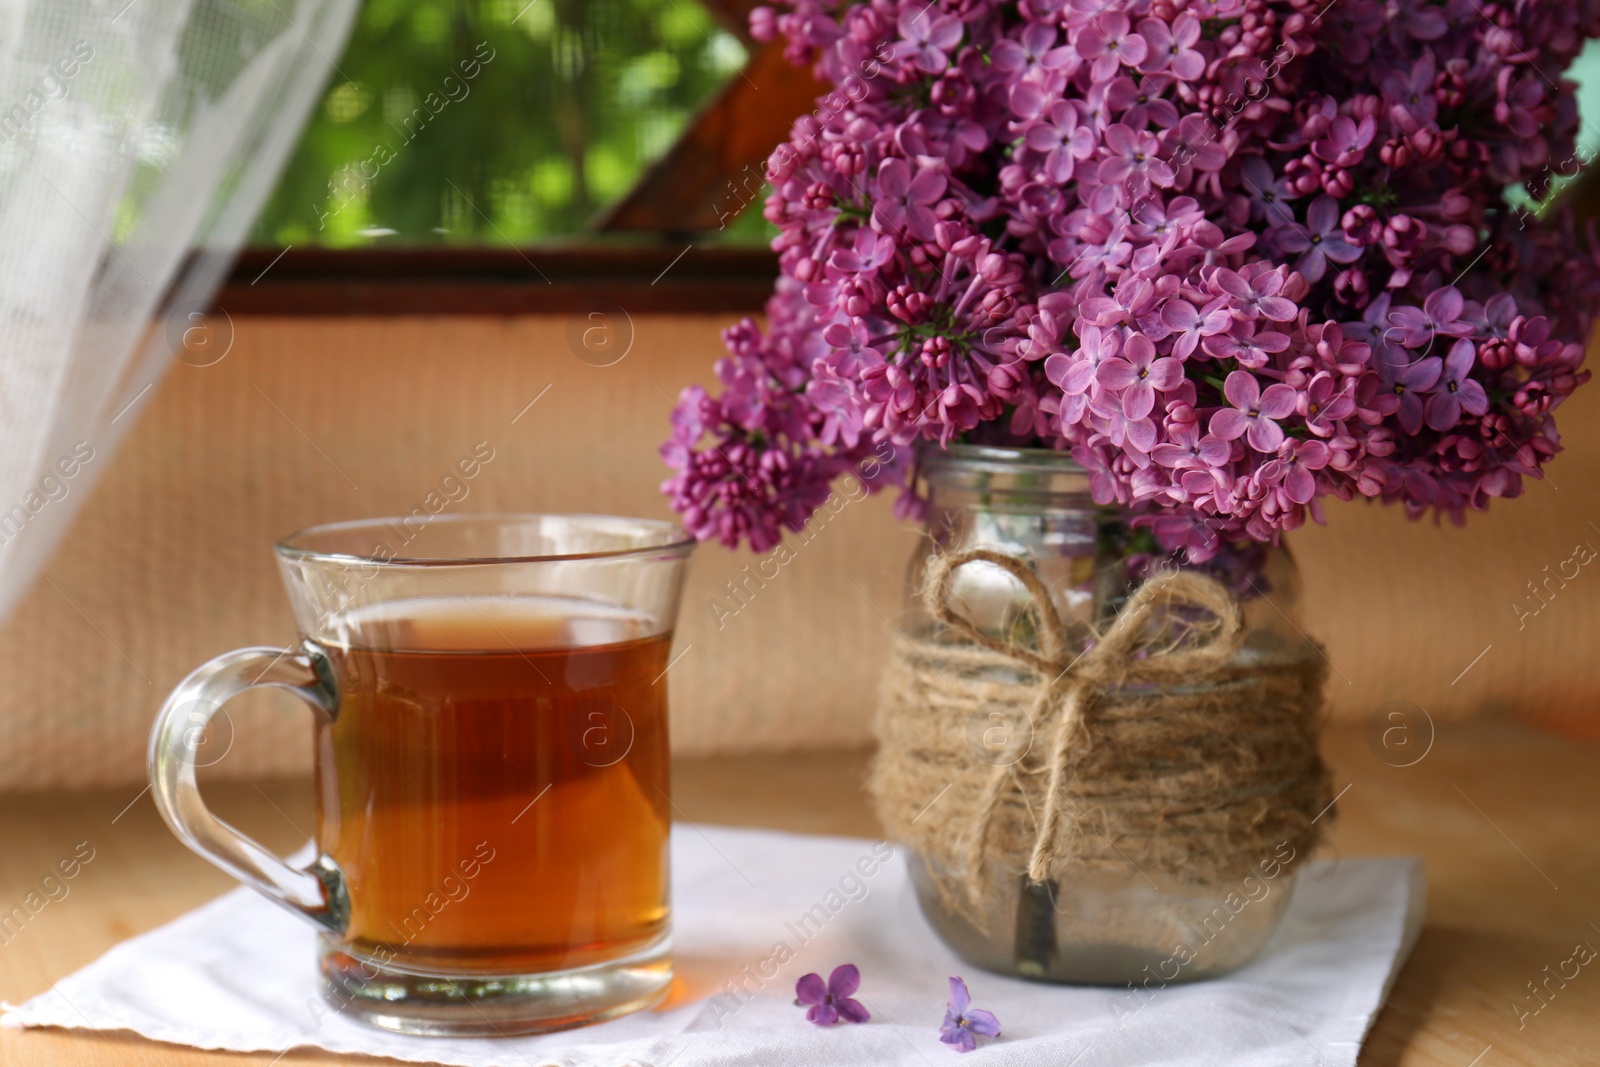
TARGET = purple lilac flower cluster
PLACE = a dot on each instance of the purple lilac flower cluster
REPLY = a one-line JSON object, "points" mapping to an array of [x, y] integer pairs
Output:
{"points": [[1235, 255]]}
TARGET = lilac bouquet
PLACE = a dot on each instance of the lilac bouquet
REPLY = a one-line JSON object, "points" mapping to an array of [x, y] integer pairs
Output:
{"points": [[1235, 256]]}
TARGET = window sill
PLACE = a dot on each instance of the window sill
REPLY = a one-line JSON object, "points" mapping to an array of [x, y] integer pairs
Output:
{"points": [[479, 281]]}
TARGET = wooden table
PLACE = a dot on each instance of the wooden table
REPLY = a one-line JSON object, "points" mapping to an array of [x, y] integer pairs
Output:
{"points": [[1507, 820]]}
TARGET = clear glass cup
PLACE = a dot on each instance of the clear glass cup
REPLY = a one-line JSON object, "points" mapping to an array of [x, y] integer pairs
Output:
{"points": [[491, 766], [1088, 926]]}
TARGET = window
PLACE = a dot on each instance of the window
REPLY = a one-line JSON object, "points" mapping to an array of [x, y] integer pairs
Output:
{"points": [[503, 122]]}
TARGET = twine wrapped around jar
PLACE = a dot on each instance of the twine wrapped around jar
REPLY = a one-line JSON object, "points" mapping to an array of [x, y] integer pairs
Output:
{"points": [[1158, 746]]}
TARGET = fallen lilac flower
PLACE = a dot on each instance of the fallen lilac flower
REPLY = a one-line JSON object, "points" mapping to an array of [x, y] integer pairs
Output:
{"points": [[831, 1003], [964, 1024]]}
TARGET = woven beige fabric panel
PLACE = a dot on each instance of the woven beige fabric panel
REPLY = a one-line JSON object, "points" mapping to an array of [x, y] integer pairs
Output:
{"points": [[308, 421], [1499, 616], [314, 420]]}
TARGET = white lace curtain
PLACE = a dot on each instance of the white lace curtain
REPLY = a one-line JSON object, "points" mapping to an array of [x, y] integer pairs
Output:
{"points": [[138, 139]]}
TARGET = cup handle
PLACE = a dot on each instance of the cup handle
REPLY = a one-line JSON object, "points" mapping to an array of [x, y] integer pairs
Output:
{"points": [[317, 892]]}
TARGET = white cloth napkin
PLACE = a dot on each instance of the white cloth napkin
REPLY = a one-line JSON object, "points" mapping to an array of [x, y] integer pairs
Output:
{"points": [[238, 974]]}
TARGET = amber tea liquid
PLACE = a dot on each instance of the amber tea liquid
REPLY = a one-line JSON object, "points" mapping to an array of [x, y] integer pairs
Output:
{"points": [[494, 785]]}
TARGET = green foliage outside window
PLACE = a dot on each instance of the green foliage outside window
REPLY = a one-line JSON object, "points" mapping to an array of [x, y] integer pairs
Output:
{"points": [[497, 122]]}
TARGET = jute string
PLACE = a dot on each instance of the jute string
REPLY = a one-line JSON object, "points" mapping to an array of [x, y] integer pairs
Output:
{"points": [[1159, 746]]}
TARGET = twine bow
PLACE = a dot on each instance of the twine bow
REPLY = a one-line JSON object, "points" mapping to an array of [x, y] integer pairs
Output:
{"points": [[1070, 683]]}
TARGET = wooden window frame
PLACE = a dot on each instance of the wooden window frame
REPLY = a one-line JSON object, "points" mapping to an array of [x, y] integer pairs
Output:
{"points": [[492, 281]]}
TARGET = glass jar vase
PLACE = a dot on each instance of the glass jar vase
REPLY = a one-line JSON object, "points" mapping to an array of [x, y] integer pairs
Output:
{"points": [[1119, 822]]}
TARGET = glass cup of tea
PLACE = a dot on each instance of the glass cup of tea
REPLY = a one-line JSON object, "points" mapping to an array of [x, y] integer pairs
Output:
{"points": [[491, 761]]}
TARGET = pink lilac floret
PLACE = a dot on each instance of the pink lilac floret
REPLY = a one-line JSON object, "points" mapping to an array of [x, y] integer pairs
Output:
{"points": [[832, 1002], [964, 1024]]}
